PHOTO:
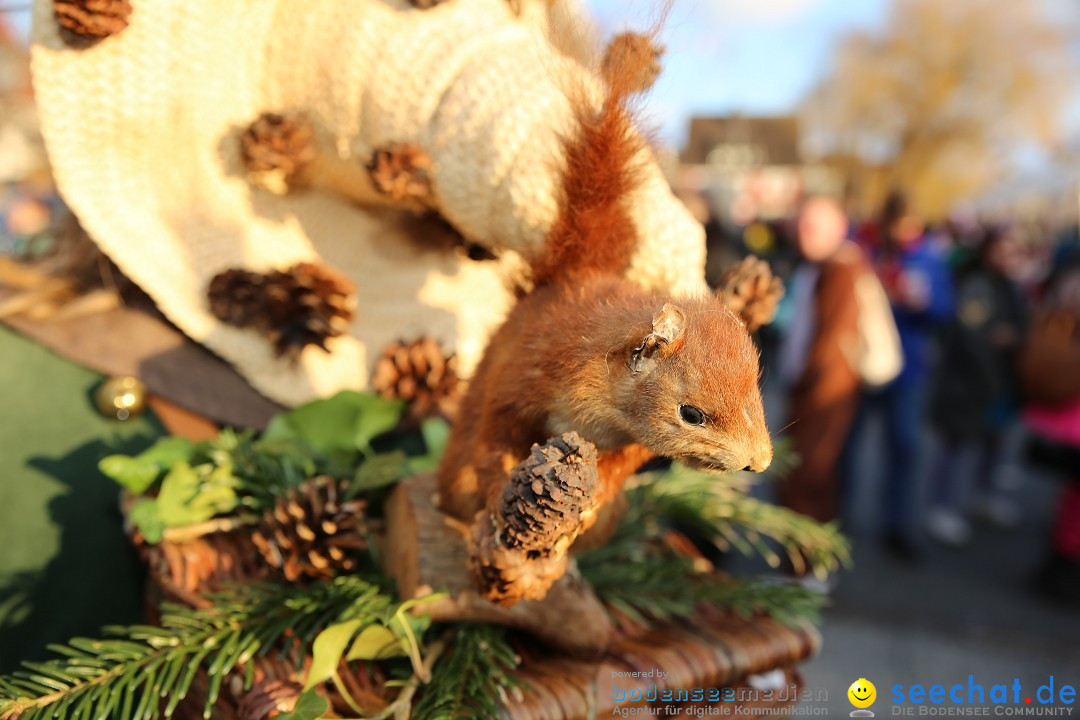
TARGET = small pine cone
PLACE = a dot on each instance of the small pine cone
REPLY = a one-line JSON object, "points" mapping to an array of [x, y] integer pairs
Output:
{"points": [[84, 22], [269, 699], [425, 4], [519, 551], [401, 172], [634, 51], [421, 374], [751, 291], [278, 146], [304, 305], [312, 532]]}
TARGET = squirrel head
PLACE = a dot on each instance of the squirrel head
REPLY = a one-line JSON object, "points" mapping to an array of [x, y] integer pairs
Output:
{"points": [[689, 389]]}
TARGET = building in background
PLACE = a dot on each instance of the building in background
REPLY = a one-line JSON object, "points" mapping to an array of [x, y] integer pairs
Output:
{"points": [[751, 168]]}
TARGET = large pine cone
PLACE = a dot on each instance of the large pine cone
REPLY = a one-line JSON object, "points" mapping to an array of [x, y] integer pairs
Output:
{"points": [[304, 305], [83, 22], [421, 374], [312, 532], [751, 291], [549, 493], [519, 551]]}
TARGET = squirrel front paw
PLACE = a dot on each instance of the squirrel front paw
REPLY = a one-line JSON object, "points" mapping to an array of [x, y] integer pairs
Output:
{"points": [[751, 291], [520, 548]]}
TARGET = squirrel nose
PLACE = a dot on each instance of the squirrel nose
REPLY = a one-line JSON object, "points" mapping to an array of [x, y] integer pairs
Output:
{"points": [[759, 464]]}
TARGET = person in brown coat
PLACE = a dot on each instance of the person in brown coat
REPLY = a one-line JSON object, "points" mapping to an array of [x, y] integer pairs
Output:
{"points": [[817, 358]]}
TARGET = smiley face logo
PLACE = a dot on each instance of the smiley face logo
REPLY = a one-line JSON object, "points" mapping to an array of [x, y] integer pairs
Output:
{"points": [[862, 693]]}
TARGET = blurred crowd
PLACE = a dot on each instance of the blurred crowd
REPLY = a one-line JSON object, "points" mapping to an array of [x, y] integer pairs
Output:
{"points": [[969, 327]]}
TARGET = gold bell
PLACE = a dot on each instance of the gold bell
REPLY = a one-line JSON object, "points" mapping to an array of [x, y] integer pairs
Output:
{"points": [[121, 397]]}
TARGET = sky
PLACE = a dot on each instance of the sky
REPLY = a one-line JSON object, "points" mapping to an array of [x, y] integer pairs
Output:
{"points": [[747, 56]]}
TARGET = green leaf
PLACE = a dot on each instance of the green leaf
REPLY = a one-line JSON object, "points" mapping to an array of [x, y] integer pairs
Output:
{"points": [[130, 472], [379, 471], [376, 642], [144, 515], [406, 625], [280, 430], [191, 496], [436, 434], [377, 416], [327, 650], [138, 473], [346, 422], [168, 451], [309, 706]]}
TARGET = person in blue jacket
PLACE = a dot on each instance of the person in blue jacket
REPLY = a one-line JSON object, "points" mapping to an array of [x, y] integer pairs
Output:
{"points": [[917, 280]]}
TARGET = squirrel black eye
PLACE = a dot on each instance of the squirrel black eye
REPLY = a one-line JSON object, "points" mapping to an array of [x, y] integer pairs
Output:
{"points": [[691, 415]]}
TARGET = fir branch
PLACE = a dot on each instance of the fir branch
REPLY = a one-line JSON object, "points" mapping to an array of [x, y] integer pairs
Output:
{"points": [[644, 585], [649, 582], [725, 513], [646, 580], [142, 673], [787, 602], [471, 676]]}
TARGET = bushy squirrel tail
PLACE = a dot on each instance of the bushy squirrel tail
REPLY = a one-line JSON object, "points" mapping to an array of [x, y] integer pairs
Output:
{"points": [[594, 232]]}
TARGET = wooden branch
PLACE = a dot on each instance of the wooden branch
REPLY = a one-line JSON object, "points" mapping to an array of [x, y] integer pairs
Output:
{"points": [[426, 550]]}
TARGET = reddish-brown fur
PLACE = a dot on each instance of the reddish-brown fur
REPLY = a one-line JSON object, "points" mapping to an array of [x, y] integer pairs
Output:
{"points": [[594, 233], [590, 351]]}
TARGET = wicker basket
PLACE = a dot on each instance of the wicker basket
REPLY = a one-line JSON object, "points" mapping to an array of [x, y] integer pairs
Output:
{"points": [[720, 650]]}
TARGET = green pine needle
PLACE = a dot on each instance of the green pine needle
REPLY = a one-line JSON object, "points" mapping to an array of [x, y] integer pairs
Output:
{"points": [[641, 577], [471, 677], [652, 583], [133, 671], [719, 508]]}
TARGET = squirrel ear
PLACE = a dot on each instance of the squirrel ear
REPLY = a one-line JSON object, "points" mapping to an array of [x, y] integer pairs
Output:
{"points": [[668, 330]]}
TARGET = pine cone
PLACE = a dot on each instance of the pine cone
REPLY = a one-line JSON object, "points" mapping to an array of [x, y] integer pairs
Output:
{"points": [[519, 551], [636, 51], [425, 4], [421, 374], [401, 172], [751, 291], [550, 493], [304, 305], [269, 699], [236, 296], [507, 576], [312, 532], [279, 146], [84, 22]]}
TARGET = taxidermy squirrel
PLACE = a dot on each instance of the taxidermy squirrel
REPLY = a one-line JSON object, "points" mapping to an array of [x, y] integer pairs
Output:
{"points": [[594, 358]]}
